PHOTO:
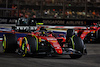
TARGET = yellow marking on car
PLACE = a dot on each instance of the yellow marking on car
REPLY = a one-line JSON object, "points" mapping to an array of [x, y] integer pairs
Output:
{"points": [[84, 32], [93, 31], [54, 41], [39, 23], [39, 39], [59, 51]]}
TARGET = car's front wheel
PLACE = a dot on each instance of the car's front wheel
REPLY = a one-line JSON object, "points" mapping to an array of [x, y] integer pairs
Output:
{"points": [[29, 45]]}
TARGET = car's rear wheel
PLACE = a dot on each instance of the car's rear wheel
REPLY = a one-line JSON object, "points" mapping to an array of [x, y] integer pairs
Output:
{"points": [[9, 43]]}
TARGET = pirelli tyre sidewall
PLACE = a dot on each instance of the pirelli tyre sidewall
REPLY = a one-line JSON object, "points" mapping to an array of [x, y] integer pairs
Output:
{"points": [[29, 45], [9, 43], [78, 45]]}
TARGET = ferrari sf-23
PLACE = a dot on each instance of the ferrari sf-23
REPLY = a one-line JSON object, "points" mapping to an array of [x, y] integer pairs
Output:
{"points": [[42, 41], [30, 39]]}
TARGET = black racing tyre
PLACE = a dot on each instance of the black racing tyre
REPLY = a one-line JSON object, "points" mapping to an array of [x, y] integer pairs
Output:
{"points": [[98, 36], [33, 45], [78, 45], [33, 42], [9, 43]]}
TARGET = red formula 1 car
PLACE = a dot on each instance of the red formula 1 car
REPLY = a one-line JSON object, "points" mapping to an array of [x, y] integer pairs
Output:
{"points": [[90, 34], [43, 42], [27, 40]]}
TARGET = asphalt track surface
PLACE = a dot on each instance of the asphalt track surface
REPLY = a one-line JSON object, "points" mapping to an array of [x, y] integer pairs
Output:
{"points": [[92, 59]]}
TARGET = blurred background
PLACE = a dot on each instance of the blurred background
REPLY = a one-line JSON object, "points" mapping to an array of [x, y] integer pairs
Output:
{"points": [[60, 9]]}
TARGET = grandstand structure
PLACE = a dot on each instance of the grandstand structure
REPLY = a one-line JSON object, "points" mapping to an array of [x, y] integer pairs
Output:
{"points": [[60, 9]]}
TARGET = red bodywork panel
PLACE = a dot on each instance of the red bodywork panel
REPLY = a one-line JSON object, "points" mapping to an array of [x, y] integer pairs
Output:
{"points": [[52, 40]]}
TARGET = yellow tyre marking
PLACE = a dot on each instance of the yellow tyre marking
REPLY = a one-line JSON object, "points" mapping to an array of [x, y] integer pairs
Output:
{"points": [[36, 41], [24, 46], [4, 43], [73, 42]]}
